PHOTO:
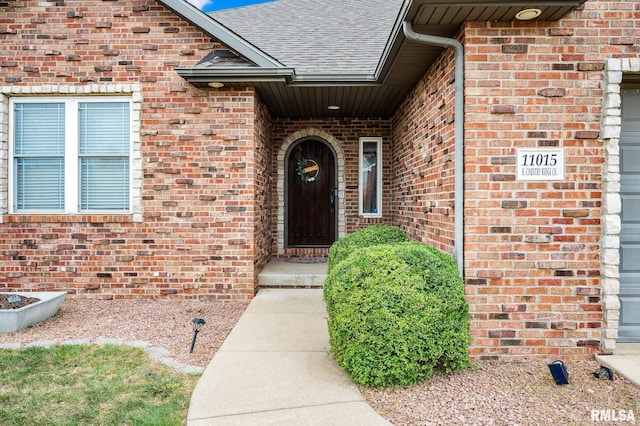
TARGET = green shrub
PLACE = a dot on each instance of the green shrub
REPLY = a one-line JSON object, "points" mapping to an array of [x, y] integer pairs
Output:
{"points": [[369, 236], [396, 313]]}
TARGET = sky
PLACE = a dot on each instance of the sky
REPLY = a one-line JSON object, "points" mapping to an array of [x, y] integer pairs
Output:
{"points": [[211, 5]]}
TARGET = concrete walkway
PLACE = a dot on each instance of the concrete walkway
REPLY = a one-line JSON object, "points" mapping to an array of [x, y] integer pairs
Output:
{"points": [[625, 361], [274, 369]]}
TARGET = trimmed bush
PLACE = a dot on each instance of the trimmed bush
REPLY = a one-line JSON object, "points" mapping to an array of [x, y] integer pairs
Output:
{"points": [[366, 237], [397, 312]]}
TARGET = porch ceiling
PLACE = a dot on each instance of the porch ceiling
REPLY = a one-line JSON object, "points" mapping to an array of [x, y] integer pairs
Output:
{"points": [[380, 92]]}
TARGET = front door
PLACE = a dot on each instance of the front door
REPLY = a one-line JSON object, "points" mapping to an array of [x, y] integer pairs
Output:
{"points": [[311, 195], [629, 326]]}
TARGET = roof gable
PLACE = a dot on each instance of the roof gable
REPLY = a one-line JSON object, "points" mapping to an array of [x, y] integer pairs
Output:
{"points": [[227, 37], [342, 37]]}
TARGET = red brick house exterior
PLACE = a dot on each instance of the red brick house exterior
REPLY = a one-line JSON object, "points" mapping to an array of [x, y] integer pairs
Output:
{"points": [[206, 212]]}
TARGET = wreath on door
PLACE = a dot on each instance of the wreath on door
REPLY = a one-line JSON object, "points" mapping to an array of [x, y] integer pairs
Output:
{"points": [[308, 170]]}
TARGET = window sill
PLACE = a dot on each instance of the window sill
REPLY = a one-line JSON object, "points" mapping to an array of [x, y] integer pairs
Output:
{"points": [[371, 216], [67, 218]]}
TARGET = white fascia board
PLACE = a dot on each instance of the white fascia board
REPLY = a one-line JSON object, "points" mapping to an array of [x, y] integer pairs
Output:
{"points": [[252, 74], [334, 80], [391, 41], [287, 75]]}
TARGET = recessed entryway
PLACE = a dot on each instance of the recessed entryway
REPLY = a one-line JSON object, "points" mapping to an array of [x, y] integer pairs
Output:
{"points": [[311, 201], [283, 158]]}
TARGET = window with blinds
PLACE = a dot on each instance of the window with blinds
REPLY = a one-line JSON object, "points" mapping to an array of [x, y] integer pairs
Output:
{"points": [[39, 133], [71, 155], [104, 156]]}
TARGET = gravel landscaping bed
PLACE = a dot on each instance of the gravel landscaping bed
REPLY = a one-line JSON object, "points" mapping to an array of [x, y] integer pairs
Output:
{"points": [[165, 323], [508, 394]]}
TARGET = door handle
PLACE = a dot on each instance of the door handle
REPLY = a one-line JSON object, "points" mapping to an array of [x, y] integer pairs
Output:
{"points": [[332, 198]]}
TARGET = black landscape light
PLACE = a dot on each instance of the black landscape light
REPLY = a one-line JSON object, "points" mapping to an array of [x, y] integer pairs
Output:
{"points": [[198, 323], [14, 300], [559, 372]]}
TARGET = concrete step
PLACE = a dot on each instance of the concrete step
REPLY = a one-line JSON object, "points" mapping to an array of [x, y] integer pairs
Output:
{"points": [[627, 366], [627, 349], [283, 274], [625, 361]]}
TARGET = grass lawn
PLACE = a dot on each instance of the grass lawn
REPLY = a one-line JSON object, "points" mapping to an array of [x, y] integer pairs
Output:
{"points": [[90, 385]]}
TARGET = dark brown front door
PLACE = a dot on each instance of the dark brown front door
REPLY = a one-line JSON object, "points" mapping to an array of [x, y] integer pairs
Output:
{"points": [[311, 200]]}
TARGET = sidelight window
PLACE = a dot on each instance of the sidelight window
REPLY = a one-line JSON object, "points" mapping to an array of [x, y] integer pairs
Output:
{"points": [[370, 187]]}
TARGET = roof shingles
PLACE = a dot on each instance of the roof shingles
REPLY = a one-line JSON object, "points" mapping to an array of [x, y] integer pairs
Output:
{"points": [[317, 37]]}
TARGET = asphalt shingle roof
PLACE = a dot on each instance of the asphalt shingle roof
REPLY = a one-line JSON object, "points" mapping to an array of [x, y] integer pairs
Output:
{"points": [[317, 37]]}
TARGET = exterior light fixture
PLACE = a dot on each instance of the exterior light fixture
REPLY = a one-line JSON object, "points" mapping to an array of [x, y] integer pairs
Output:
{"points": [[333, 107], [528, 14], [14, 300], [216, 84], [197, 323], [559, 372]]}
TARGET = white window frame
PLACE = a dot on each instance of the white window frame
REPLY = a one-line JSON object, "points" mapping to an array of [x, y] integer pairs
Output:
{"points": [[361, 167], [72, 158]]}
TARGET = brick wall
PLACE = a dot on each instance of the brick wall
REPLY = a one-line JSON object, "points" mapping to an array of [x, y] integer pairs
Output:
{"points": [[194, 234], [208, 161], [263, 189], [422, 159], [532, 249], [532, 255], [348, 133]]}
